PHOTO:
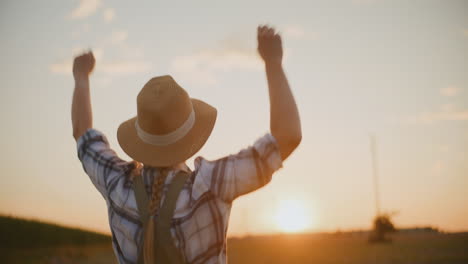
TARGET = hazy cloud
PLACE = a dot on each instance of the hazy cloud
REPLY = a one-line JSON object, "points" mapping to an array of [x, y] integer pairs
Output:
{"points": [[108, 15], [203, 66], [124, 59], [447, 112], [113, 67], [238, 51], [465, 32], [85, 8], [125, 67], [63, 67], [80, 31], [187, 67], [114, 38], [118, 66], [293, 31], [450, 91], [118, 36]]}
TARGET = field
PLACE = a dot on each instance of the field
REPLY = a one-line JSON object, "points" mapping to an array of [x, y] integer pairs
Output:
{"points": [[350, 248], [32, 242], [313, 248]]}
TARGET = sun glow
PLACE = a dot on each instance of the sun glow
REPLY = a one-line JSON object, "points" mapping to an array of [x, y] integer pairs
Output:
{"points": [[292, 216]]}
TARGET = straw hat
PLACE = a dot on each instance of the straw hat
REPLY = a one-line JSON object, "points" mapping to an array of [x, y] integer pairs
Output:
{"points": [[169, 128]]}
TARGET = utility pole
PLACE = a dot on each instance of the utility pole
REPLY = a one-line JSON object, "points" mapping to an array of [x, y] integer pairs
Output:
{"points": [[375, 173]]}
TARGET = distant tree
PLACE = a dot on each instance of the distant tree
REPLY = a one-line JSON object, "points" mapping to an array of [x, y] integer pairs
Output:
{"points": [[382, 225]]}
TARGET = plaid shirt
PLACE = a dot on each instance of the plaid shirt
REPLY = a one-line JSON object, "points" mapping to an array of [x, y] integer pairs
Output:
{"points": [[200, 222]]}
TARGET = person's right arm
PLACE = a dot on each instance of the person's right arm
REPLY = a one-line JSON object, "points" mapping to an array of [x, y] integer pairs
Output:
{"points": [[285, 124], [81, 113], [99, 161]]}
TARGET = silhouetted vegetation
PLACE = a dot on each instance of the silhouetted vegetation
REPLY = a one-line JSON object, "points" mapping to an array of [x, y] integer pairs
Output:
{"points": [[20, 233], [412, 245], [382, 225]]}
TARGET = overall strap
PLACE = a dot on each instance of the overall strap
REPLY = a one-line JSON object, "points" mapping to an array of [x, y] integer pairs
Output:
{"points": [[142, 201], [166, 251]]}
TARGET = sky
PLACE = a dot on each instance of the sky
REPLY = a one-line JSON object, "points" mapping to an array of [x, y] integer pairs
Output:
{"points": [[393, 69]]}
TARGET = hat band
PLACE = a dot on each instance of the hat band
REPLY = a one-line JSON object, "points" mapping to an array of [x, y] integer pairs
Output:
{"points": [[167, 139]]}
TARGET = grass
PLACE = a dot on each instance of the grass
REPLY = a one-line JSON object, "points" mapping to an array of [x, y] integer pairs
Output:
{"points": [[21, 233], [69, 254], [34, 242], [54, 245], [346, 248]]}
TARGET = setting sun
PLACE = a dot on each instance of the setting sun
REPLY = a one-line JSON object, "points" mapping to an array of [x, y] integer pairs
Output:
{"points": [[292, 216]]}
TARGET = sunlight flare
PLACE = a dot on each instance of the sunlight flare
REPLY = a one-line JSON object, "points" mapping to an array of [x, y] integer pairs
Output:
{"points": [[292, 216]]}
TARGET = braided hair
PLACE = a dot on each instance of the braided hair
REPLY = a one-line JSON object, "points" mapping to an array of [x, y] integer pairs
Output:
{"points": [[154, 205]]}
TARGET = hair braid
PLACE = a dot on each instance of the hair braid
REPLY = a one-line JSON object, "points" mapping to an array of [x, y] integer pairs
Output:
{"points": [[157, 189], [149, 254], [135, 170]]}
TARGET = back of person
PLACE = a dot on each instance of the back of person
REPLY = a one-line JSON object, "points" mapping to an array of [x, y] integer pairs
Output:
{"points": [[202, 211], [198, 225]]}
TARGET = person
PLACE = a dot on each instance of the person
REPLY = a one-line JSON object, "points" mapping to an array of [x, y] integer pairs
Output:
{"points": [[169, 128]]}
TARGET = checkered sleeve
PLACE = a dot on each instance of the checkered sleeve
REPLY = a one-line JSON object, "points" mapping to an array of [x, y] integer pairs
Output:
{"points": [[244, 172], [99, 161]]}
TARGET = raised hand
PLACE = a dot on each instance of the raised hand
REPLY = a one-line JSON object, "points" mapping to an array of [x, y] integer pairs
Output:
{"points": [[269, 44], [82, 116], [285, 124], [83, 65]]}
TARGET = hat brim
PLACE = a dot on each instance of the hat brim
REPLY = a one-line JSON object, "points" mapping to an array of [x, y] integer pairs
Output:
{"points": [[165, 156]]}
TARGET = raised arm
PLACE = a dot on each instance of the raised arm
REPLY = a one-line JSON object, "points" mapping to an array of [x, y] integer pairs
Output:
{"points": [[285, 124], [82, 116]]}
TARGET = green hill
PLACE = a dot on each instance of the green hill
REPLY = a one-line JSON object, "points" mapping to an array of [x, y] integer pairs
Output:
{"points": [[21, 233]]}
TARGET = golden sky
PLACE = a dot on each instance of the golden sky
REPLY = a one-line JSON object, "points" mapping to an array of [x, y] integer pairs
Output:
{"points": [[395, 69]]}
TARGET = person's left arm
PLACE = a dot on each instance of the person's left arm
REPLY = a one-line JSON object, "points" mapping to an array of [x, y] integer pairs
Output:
{"points": [[241, 173], [82, 116]]}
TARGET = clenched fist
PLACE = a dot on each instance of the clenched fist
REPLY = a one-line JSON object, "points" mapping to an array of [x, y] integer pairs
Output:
{"points": [[269, 44], [83, 65]]}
